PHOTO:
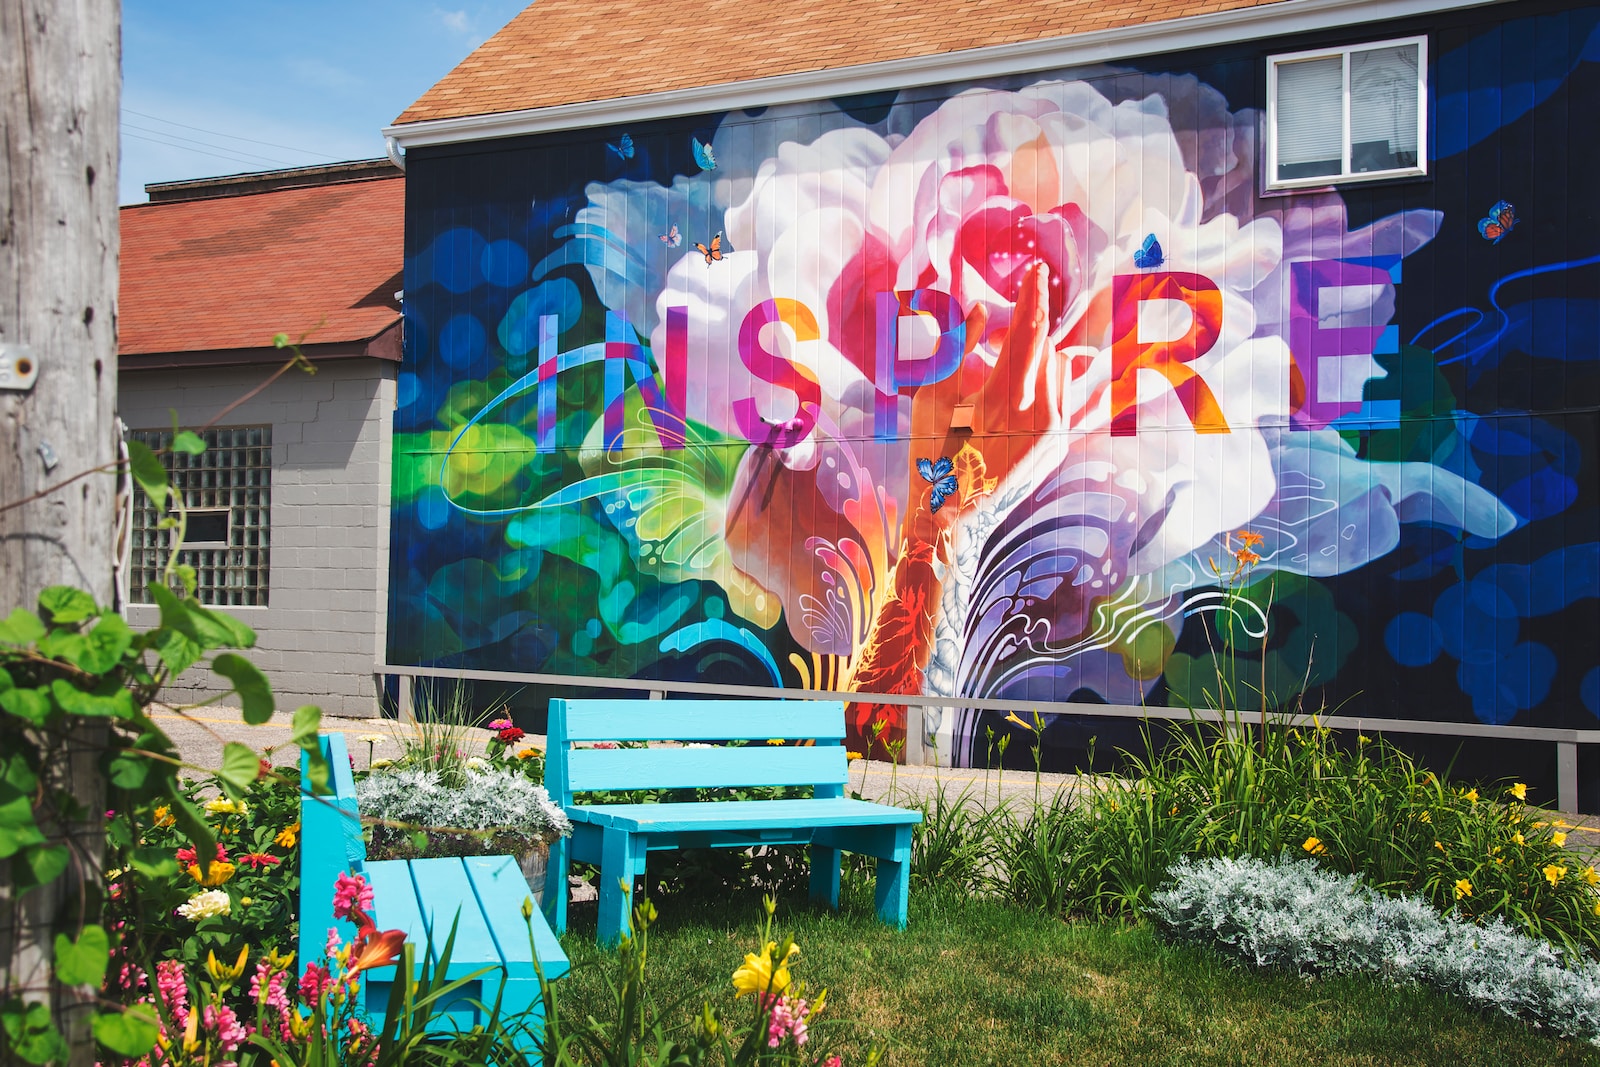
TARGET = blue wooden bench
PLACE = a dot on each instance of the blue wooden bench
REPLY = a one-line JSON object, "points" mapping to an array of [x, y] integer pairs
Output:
{"points": [[618, 837], [482, 895]]}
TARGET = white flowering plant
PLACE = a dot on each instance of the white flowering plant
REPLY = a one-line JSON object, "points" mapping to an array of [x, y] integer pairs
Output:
{"points": [[488, 809], [1293, 913]]}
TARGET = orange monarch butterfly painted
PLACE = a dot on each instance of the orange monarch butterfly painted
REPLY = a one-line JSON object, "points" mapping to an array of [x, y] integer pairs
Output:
{"points": [[715, 250], [1500, 221]]}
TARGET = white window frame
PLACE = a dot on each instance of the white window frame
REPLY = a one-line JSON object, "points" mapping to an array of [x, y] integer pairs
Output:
{"points": [[1346, 176]]}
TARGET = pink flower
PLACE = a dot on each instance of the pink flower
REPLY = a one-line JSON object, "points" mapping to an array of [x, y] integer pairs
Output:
{"points": [[500, 724], [186, 855], [258, 860], [788, 1019], [313, 982], [222, 1022], [349, 893], [833, 1061]]}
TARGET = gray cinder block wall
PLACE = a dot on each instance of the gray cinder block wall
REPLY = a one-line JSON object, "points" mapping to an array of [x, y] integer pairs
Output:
{"points": [[321, 631]]}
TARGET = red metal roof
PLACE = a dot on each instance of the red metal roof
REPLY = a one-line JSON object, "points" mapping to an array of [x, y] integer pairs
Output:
{"points": [[230, 271], [569, 51]]}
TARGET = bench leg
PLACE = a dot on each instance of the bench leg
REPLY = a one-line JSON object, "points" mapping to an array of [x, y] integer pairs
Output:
{"points": [[621, 857], [555, 885], [892, 893], [825, 875]]}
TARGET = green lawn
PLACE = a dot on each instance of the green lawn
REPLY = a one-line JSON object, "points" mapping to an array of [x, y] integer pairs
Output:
{"points": [[978, 982]]}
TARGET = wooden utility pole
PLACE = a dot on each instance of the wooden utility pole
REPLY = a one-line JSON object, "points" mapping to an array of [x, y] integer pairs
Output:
{"points": [[60, 90]]}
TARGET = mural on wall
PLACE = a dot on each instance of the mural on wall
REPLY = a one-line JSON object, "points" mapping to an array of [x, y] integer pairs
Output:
{"points": [[973, 392]]}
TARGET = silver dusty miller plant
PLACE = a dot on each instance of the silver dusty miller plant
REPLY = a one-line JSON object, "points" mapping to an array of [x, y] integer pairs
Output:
{"points": [[489, 799], [1296, 915]]}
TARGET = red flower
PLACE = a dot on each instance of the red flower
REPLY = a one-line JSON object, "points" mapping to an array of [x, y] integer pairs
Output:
{"points": [[186, 855], [511, 735], [374, 948], [259, 860]]}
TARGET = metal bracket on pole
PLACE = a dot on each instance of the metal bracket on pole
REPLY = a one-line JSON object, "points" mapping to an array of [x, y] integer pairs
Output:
{"points": [[19, 368]]}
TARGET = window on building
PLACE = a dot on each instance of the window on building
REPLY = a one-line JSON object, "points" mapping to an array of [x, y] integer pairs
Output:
{"points": [[1347, 114], [227, 490]]}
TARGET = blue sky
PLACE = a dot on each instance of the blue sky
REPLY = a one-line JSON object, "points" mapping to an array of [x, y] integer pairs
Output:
{"points": [[213, 88]]}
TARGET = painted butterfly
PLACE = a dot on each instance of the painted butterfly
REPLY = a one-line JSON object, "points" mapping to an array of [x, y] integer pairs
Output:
{"points": [[1149, 255], [672, 238], [704, 158], [1501, 221], [715, 250], [938, 475], [624, 147]]}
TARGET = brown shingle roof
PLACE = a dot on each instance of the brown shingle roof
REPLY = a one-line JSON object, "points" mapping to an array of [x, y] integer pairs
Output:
{"points": [[230, 271], [567, 51]]}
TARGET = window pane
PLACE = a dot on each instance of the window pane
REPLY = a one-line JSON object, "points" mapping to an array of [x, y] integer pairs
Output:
{"points": [[1310, 118], [1383, 108]]}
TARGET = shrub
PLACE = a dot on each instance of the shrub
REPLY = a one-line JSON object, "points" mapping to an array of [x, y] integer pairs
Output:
{"points": [[1295, 914], [1227, 790]]}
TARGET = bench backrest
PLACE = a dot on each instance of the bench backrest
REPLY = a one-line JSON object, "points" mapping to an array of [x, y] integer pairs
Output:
{"points": [[330, 845], [571, 769]]}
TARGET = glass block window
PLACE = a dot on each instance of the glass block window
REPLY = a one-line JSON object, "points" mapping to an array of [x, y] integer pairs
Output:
{"points": [[227, 490], [1347, 114]]}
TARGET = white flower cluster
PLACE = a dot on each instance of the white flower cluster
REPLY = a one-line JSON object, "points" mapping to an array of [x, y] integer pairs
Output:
{"points": [[1297, 915], [490, 799]]}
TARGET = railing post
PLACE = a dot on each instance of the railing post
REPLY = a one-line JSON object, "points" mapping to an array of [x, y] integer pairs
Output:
{"points": [[1567, 775]]}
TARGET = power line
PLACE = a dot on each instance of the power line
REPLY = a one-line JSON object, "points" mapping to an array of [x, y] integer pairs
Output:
{"points": [[203, 144], [199, 151], [230, 136]]}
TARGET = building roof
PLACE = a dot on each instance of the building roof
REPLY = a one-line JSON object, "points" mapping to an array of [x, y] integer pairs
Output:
{"points": [[566, 51], [211, 270]]}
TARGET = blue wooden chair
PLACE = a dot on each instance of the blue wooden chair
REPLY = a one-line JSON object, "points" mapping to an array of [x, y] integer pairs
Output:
{"points": [[619, 837], [481, 895]]}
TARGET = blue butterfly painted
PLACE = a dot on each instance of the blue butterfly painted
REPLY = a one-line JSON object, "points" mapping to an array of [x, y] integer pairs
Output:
{"points": [[1149, 255], [938, 475], [623, 148], [1502, 218], [704, 158]]}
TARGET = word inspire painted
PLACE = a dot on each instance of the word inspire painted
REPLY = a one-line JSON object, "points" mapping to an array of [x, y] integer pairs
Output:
{"points": [[1328, 393]]}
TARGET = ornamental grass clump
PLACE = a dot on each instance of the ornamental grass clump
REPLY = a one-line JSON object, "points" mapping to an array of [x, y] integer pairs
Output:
{"points": [[1227, 790], [1297, 915], [483, 812]]}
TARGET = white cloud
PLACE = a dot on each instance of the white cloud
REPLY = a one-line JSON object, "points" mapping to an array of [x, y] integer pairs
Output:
{"points": [[459, 21]]}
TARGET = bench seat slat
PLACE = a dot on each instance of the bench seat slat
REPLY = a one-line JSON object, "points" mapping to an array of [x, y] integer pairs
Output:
{"points": [[706, 720], [688, 768], [741, 815], [501, 889], [394, 905], [442, 888]]}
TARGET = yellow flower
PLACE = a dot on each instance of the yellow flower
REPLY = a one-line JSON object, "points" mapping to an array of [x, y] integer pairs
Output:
{"points": [[527, 753], [1597, 907], [1363, 739], [1314, 846], [1590, 876], [220, 972], [218, 874], [1463, 888], [1472, 795], [380, 764], [164, 816], [853, 756], [224, 806], [113, 874], [757, 974], [372, 739], [1174, 810], [1554, 873], [775, 741], [1517, 838], [288, 835], [1519, 790], [1564, 824], [1439, 845], [1558, 839], [1012, 717], [1425, 817]]}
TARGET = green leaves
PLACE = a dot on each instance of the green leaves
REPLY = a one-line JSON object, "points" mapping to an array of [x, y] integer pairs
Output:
{"points": [[21, 627], [240, 765], [255, 692], [18, 828], [130, 1032], [33, 1037], [83, 962], [65, 605], [149, 473], [188, 442]]}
